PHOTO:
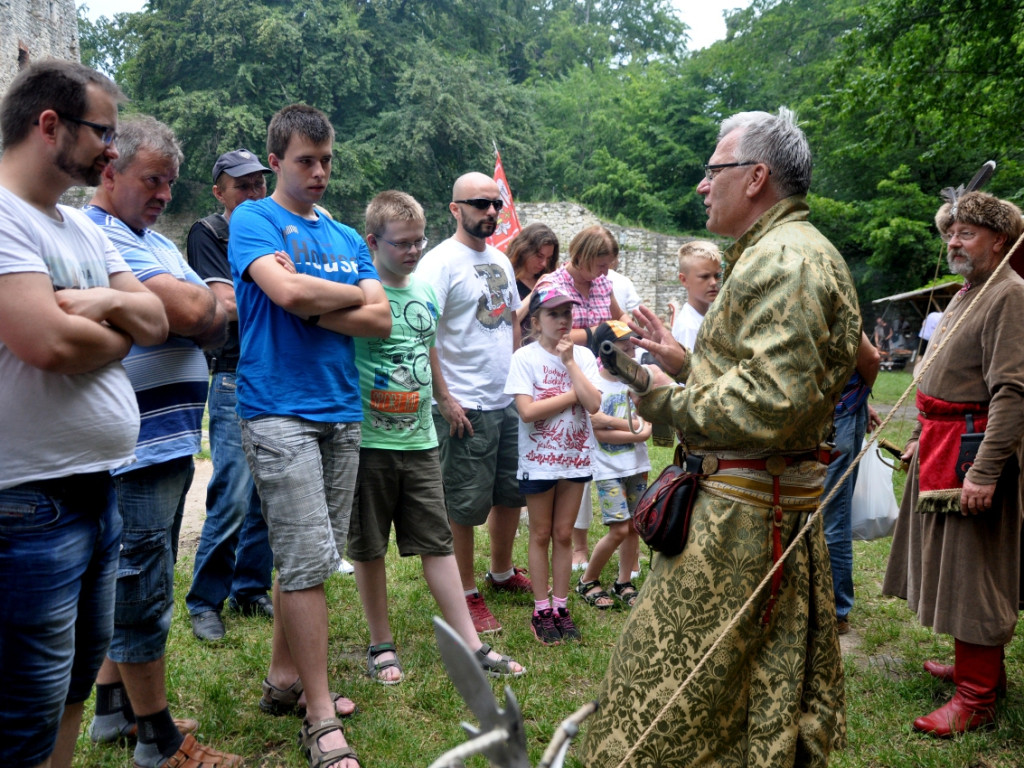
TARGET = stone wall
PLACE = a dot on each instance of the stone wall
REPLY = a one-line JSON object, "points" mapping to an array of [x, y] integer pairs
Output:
{"points": [[34, 29], [647, 258]]}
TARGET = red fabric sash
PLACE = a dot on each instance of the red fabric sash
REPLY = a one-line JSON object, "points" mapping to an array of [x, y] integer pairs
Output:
{"points": [[942, 423]]}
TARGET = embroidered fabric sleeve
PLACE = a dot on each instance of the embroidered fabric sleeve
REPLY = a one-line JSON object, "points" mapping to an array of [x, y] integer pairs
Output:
{"points": [[782, 344]]}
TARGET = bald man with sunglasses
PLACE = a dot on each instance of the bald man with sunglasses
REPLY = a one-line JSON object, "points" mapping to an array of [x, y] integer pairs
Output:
{"points": [[476, 421]]}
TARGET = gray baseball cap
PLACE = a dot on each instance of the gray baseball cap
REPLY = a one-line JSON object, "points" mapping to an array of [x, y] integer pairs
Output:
{"points": [[241, 162]]}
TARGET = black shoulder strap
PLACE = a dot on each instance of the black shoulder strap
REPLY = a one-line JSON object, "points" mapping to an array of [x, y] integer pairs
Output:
{"points": [[217, 224]]}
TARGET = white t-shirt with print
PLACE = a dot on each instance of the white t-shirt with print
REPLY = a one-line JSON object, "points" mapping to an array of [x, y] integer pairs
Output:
{"points": [[477, 299], [611, 461], [558, 447]]}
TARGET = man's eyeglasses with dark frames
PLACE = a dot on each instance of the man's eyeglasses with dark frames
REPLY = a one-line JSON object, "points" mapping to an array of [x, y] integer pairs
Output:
{"points": [[483, 203], [247, 187], [710, 171], [107, 133], [406, 245]]}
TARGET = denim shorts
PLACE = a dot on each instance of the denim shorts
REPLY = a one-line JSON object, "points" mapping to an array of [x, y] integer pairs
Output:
{"points": [[531, 487], [618, 497], [404, 488], [59, 543], [305, 473], [480, 471], [151, 501]]}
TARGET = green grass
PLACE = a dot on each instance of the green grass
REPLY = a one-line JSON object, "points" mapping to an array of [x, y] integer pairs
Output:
{"points": [[890, 385], [410, 725]]}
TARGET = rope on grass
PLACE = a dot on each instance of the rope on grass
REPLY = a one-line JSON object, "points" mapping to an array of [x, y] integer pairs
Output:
{"points": [[926, 363]]}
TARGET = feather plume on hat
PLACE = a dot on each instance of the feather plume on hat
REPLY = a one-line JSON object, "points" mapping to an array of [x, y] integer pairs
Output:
{"points": [[952, 195], [981, 209]]}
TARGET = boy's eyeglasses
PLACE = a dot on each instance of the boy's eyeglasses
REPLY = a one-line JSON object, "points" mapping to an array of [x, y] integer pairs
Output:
{"points": [[406, 245], [483, 203]]}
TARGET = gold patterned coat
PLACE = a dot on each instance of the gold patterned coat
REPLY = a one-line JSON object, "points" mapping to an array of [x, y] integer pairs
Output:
{"points": [[775, 350]]}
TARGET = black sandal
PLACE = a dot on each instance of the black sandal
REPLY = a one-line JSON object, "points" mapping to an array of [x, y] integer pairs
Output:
{"points": [[626, 593], [496, 667], [590, 598], [374, 667]]}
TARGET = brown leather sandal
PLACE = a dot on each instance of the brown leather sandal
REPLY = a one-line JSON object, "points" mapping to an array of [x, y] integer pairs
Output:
{"points": [[192, 754]]}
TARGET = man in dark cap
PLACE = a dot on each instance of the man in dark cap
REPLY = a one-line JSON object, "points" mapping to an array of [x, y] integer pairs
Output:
{"points": [[234, 560], [956, 551]]}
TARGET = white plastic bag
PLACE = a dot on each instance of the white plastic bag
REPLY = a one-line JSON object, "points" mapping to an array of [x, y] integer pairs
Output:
{"points": [[874, 510]]}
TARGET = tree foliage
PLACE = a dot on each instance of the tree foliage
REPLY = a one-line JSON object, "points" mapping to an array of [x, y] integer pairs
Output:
{"points": [[598, 101]]}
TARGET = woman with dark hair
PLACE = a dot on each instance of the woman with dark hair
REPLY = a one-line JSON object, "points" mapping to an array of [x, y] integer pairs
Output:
{"points": [[533, 253]]}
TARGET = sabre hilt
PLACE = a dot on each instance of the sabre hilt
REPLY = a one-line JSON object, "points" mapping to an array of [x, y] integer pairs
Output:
{"points": [[624, 368]]}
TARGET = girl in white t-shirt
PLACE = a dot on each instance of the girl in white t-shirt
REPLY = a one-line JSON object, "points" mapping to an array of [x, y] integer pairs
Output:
{"points": [[550, 381]]}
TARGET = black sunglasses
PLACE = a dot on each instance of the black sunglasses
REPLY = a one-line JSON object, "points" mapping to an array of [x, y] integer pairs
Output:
{"points": [[483, 203]]}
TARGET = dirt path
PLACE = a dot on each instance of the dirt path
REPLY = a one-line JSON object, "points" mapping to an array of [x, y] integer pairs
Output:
{"points": [[195, 507]]}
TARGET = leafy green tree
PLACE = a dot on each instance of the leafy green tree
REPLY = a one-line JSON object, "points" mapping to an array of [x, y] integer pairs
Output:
{"points": [[448, 114], [932, 84], [106, 44]]}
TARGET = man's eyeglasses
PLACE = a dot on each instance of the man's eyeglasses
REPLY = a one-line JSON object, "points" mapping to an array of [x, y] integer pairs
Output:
{"points": [[406, 245], [964, 236], [249, 187], [107, 133], [710, 171], [483, 203]]}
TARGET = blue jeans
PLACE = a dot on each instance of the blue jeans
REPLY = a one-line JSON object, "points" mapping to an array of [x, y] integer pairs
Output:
{"points": [[59, 545], [234, 558], [151, 501], [850, 429]]}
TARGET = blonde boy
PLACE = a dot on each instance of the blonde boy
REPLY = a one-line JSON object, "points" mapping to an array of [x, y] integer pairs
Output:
{"points": [[399, 479], [700, 266]]}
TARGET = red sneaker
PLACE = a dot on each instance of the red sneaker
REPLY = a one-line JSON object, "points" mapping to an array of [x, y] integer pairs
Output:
{"points": [[517, 583], [483, 620]]}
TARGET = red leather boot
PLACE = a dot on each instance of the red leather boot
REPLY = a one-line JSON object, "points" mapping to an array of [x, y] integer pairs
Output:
{"points": [[944, 672], [976, 674]]}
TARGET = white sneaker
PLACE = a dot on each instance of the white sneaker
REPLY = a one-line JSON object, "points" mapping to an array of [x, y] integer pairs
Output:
{"points": [[580, 566], [346, 567]]}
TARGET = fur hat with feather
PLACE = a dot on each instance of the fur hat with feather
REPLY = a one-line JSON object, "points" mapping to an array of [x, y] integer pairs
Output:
{"points": [[981, 209]]}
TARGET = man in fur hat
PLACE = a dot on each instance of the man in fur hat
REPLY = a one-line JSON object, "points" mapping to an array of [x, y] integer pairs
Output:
{"points": [[956, 551]]}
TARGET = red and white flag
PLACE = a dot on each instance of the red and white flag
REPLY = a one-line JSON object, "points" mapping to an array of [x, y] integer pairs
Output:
{"points": [[508, 223]]}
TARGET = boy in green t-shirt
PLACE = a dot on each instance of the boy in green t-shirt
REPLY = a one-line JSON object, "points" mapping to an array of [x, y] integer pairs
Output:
{"points": [[399, 479]]}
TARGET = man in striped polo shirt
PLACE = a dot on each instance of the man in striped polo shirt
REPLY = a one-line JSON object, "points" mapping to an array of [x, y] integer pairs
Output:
{"points": [[170, 382]]}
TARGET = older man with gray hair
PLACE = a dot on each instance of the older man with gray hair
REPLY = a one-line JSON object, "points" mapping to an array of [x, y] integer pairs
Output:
{"points": [[956, 551], [170, 382], [773, 353]]}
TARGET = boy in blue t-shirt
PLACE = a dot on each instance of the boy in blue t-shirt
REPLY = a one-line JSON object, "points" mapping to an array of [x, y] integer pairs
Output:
{"points": [[399, 478], [304, 286]]}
